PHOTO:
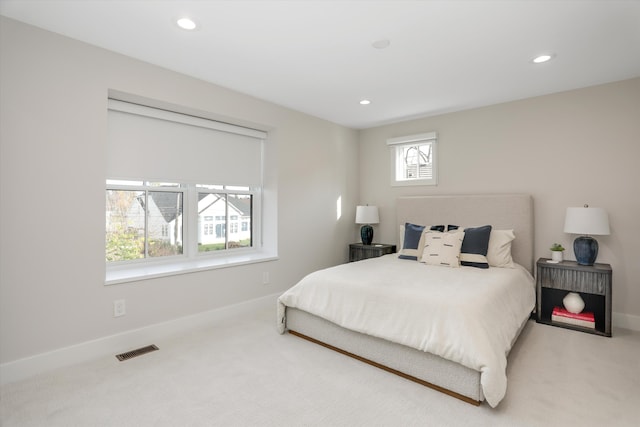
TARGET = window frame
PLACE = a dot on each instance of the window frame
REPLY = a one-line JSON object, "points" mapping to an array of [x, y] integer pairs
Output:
{"points": [[191, 258], [396, 148], [256, 223]]}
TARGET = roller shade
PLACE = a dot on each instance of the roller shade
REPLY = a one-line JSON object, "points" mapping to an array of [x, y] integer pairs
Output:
{"points": [[150, 144]]}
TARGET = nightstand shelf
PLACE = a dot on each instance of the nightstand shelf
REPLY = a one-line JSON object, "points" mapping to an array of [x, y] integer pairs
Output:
{"points": [[359, 251], [593, 283]]}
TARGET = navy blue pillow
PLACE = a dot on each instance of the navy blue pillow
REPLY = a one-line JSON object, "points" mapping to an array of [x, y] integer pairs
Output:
{"points": [[412, 234], [474, 247]]}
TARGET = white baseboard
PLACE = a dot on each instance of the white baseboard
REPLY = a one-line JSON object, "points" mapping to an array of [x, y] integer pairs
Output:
{"points": [[125, 341], [626, 321]]}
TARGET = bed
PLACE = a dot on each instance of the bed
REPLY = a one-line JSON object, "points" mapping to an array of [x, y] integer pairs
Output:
{"points": [[447, 327]]}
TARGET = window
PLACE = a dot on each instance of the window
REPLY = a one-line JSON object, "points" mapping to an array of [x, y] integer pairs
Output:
{"points": [[223, 204], [413, 159], [143, 220], [178, 186]]}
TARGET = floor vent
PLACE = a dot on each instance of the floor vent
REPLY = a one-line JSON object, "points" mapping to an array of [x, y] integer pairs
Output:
{"points": [[138, 352]]}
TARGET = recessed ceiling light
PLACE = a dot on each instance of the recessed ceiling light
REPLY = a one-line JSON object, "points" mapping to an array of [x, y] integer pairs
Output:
{"points": [[381, 44], [186, 24], [542, 58], [365, 102]]}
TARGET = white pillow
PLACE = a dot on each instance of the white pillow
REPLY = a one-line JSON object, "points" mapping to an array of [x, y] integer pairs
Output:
{"points": [[499, 252], [442, 248], [422, 241]]}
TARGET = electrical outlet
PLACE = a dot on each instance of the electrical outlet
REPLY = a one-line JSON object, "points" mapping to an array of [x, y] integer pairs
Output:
{"points": [[265, 278], [119, 308]]}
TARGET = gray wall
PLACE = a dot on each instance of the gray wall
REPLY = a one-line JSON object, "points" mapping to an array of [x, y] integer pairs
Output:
{"points": [[565, 149], [53, 136]]}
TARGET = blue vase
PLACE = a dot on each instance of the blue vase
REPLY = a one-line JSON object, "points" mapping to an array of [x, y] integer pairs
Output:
{"points": [[585, 249], [366, 233]]}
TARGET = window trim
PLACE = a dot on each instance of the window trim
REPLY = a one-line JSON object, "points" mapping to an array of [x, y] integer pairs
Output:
{"points": [[398, 143]]}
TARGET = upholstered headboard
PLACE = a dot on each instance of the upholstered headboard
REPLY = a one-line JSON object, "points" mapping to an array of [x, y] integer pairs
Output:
{"points": [[509, 211]]}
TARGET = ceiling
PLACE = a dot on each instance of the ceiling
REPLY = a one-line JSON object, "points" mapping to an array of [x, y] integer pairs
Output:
{"points": [[317, 56]]}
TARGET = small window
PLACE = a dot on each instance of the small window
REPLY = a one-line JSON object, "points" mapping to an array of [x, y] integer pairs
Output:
{"points": [[413, 159]]}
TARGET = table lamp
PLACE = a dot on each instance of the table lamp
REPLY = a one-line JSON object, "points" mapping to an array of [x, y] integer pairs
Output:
{"points": [[586, 221], [367, 215]]}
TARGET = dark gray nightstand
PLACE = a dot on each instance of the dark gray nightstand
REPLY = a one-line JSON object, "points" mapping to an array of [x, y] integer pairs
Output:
{"points": [[358, 251], [593, 283]]}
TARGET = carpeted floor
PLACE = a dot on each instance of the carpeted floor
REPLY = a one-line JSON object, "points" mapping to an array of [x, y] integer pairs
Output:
{"points": [[240, 372]]}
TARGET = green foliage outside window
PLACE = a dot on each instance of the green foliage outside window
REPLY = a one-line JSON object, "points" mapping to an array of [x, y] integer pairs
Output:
{"points": [[124, 244]]}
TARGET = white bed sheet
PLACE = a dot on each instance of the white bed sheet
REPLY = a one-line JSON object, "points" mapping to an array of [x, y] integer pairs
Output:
{"points": [[467, 315]]}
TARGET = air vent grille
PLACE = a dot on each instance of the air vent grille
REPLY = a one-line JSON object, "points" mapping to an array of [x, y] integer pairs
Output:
{"points": [[138, 352]]}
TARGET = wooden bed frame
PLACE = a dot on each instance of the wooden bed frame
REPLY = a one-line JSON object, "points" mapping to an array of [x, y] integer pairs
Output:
{"points": [[502, 212]]}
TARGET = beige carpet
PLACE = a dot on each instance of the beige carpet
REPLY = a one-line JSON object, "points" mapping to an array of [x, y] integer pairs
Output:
{"points": [[240, 372]]}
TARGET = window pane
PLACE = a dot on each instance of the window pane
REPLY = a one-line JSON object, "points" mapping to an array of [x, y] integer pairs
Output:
{"points": [[417, 162], [125, 218], [224, 221], [212, 211], [240, 207], [164, 225], [425, 165]]}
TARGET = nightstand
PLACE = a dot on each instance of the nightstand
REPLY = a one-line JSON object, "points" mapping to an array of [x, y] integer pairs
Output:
{"points": [[593, 283], [358, 251]]}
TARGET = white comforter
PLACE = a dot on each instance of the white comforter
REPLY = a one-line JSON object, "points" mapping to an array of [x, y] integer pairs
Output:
{"points": [[468, 315]]}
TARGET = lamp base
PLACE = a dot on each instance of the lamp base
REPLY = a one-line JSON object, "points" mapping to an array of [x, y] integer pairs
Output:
{"points": [[366, 233], [585, 249]]}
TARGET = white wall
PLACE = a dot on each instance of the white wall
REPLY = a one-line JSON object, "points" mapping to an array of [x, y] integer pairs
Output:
{"points": [[565, 149], [53, 135]]}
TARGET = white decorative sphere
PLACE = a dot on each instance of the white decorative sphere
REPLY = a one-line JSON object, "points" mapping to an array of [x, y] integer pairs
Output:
{"points": [[573, 303]]}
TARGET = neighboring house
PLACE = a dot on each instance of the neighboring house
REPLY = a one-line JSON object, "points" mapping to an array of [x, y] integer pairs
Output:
{"points": [[212, 219], [162, 209]]}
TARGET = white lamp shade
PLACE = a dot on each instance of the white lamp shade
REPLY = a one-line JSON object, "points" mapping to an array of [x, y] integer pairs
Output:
{"points": [[367, 215], [586, 221]]}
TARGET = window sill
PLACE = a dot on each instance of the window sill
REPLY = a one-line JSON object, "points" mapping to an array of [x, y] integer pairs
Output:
{"points": [[411, 182], [151, 271]]}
